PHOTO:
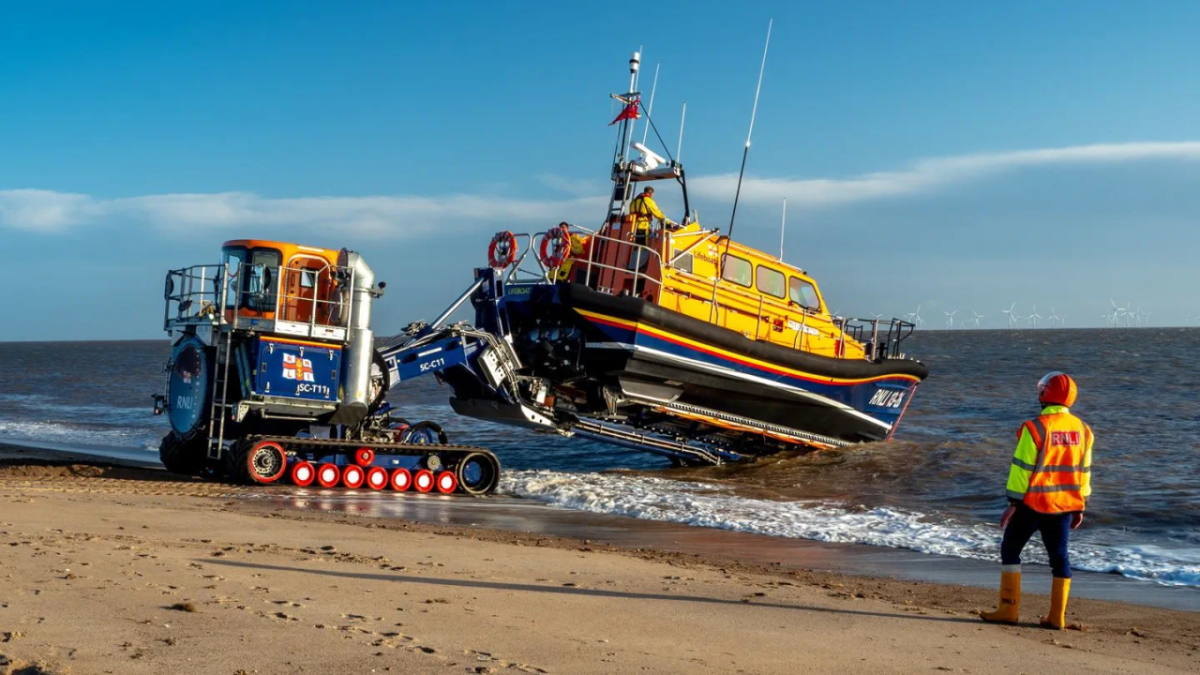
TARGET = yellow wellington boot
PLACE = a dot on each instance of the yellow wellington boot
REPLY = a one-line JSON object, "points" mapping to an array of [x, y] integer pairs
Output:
{"points": [[1057, 618], [1010, 596]]}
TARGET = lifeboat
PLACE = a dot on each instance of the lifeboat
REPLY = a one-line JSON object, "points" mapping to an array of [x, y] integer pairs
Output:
{"points": [[675, 338]]}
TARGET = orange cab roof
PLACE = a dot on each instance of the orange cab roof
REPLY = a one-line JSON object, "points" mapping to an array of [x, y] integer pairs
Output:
{"points": [[288, 250]]}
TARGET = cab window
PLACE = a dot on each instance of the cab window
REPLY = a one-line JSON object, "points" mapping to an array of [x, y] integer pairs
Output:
{"points": [[235, 258], [260, 279], [737, 270], [769, 281], [804, 294]]}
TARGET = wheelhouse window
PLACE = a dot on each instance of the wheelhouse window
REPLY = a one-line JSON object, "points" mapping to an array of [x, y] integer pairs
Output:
{"points": [[769, 281], [738, 270], [804, 294]]}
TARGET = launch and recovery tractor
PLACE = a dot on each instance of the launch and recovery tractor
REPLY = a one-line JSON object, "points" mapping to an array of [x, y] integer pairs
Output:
{"points": [[274, 375]]}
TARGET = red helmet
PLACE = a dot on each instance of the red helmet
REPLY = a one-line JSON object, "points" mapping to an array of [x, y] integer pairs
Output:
{"points": [[1057, 389]]}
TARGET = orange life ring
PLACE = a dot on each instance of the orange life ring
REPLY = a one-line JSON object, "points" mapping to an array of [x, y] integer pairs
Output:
{"points": [[556, 246], [502, 252]]}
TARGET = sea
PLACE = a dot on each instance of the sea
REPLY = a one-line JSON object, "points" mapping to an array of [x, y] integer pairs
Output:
{"points": [[937, 487]]}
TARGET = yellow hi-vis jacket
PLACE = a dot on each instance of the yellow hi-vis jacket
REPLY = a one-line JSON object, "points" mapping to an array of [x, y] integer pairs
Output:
{"points": [[579, 251], [1051, 470], [643, 208]]}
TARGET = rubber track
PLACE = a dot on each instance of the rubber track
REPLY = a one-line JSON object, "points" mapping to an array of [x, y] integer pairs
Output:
{"points": [[318, 444]]}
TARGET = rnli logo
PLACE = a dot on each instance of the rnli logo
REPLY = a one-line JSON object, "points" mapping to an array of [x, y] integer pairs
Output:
{"points": [[886, 398], [297, 368], [1064, 438]]}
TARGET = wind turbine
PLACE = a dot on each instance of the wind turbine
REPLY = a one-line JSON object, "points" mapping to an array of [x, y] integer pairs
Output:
{"points": [[1035, 319], [1053, 317], [950, 319], [1117, 313], [1147, 317], [1012, 317], [976, 319], [915, 317]]}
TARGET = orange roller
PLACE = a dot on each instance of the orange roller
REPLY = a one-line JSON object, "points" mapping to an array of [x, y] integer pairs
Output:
{"points": [[364, 456], [303, 473], [353, 476], [377, 478], [446, 482], [401, 480], [423, 480], [328, 475]]}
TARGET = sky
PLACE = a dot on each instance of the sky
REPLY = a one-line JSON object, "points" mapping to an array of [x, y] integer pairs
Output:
{"points": [[953, 156]]}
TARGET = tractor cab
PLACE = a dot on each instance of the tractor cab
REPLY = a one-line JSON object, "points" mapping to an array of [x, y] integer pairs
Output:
{"points": [[265, 286]]}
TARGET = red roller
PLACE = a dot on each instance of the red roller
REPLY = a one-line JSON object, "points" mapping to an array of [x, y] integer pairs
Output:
{"points": [[328, 475], [377, 478], [423, 480], [401, 480], [353, 476], [303, 473], [364, 456], [446, 482]]}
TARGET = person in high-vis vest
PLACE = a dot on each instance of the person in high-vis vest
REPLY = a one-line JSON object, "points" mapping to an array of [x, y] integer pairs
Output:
{"points": [[1049, 482], [643, 209], [579, 251]]}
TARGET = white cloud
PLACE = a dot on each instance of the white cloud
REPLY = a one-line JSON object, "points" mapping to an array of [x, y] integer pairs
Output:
{"points": [[406, 215], [48, 211], [926, 175]]}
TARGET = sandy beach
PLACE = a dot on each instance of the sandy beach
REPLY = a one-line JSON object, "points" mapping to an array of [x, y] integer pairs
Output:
{"points": [[127, 570]]}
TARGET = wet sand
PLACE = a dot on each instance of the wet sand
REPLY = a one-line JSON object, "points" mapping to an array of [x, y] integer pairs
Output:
{"points": [[128, 570]]}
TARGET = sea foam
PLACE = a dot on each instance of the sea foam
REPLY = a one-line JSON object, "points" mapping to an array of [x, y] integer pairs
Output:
{"points": [[707, 505]]}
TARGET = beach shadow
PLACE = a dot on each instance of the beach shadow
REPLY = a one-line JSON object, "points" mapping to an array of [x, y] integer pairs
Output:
{"points": [[569, 590]]}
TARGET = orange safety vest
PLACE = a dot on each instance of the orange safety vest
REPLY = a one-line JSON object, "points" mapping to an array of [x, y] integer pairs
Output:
{"points": [[1057, 482]]}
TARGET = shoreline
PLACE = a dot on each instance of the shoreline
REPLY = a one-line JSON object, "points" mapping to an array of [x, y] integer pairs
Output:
{"points": [[96, 557], [508, 514]]}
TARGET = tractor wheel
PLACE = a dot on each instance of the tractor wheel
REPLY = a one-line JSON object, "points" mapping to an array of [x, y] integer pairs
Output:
{"points": [[183, 456], [256, 463], [478, 473]]}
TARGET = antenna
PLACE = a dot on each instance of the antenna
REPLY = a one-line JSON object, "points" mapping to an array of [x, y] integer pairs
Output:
{"points": [[682, 119], [650, 110], [746, 150], [742, 172], [782, 228]]}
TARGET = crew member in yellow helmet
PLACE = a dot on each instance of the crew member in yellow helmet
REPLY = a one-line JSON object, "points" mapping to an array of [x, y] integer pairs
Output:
{"points": [[1049, 481]]}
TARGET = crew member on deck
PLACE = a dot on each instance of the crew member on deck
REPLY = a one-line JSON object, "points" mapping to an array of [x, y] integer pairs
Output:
{"points": [[1048, 483], [643, 209]]}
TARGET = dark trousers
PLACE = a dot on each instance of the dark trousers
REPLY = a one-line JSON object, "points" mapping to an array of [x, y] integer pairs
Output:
{"points": [[1055, 529]]}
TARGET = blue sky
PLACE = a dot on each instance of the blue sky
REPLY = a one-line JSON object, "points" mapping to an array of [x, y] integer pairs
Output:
{"points": [[950, 155]]}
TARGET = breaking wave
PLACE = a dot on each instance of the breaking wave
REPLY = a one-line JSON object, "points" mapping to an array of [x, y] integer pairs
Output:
{"points": [[706, 505]]}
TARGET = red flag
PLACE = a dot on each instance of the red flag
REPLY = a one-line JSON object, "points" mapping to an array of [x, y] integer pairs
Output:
{"points": [[629, 113]]}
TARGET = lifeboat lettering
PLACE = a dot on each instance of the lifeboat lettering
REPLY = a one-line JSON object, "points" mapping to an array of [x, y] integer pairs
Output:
{"points": [[885, 398]]}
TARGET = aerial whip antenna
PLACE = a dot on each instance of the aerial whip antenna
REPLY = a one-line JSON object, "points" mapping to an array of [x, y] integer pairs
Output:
{"points": [[679, 147], [753, 113], [650, 110], [742, 172], [782, 228]]}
